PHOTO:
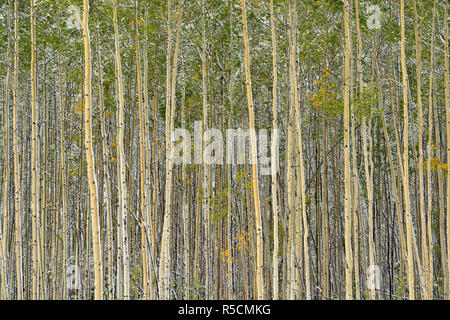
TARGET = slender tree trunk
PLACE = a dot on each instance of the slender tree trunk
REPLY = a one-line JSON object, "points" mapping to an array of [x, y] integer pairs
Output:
{"points": [[354, 160], [405, 172], [274, 155], [229, 167], [205, 189], [164, 261], [92, 180], [34, 266], [106, 175], [447, 116], [4, 222], [429, 153], [347, 182], [123, 193], [254, 156], [301, 169], [424, 249], [17, 192], [142, 151]]}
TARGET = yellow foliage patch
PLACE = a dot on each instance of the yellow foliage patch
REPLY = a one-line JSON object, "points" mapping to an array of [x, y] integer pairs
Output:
{"points": [[435, 164]]}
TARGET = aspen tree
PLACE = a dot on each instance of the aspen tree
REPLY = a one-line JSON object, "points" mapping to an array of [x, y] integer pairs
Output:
{"points": [[34, 266], [355, 198], [325, 231], [354, 160], [254, 156], [4, 221], [43, 199], [141, 155], [291, 259], [274, 156], [298, 232], [149, 206], [290, 190], [205, 190], [419, 266], [325, 219], [17, 190], [184, 201], [369, 170], [36, 277], [369, 174], [297, 224], [295, 97], [155, 179], [172, 114], [447, 115], [423, 228], [229, 166], [106, 178], [356, 219], [440, 192], [92, 179], [372, 220], [63, 168], [230, 291], [164, 262], [429, 153], [347, 182], [405, 172], [123, 193]]}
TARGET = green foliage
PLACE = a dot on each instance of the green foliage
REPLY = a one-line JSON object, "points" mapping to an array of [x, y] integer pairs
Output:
{"points": [[325, 98], [401, 286], [365, 104], [218, 205], [193, 291]]}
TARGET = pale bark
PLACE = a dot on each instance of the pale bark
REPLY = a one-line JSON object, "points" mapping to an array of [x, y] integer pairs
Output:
{"points": [[142, 152], [347, 179], [405, 173], [429, 153], [274, 156], [17, 189], [254, 157], [92, 179], [447, 116], [423, 228], [164, 262]]}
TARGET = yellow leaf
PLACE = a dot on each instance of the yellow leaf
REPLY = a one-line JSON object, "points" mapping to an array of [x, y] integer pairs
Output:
{"points": [[108, 114]]}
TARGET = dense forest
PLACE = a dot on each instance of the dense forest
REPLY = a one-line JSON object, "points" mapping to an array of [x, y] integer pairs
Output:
{"points": [[116, 182]]}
